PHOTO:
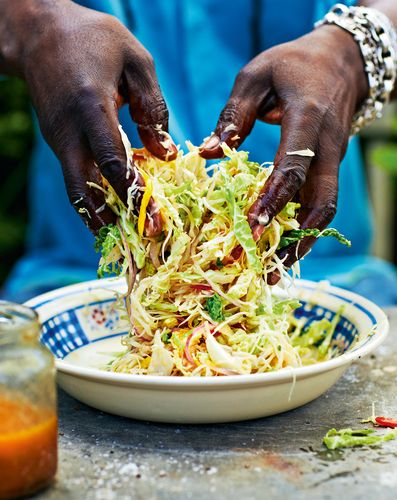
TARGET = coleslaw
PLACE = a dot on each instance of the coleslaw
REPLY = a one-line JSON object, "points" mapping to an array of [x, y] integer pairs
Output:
{"points": [[198, 302]]}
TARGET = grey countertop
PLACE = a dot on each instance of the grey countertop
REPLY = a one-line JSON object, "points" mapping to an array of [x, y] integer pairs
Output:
{"points": [[106, 457]]}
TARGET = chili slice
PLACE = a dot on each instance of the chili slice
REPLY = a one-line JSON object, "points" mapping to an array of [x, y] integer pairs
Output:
{"points": [[386, 422]]}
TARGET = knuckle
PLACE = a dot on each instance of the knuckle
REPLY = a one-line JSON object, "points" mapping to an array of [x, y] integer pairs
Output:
{"points": [[293, 172], [245, 75], [249, 81], [329, 210], [75, 185], [84, 97], [111, 168], [151, 112], [79, 200], [314, 106], [147, 59], [113, 21], [86, 93], [76, 196], [86, 206], [141, 63], [109, 24], [159, 111], [325, 211], [230, 113]]}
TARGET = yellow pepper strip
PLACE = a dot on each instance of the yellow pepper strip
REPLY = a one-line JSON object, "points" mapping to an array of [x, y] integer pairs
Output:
{"points": [[144, 203]]}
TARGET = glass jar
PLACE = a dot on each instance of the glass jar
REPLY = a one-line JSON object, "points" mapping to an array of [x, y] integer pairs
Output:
{"points": [[28, 416]]}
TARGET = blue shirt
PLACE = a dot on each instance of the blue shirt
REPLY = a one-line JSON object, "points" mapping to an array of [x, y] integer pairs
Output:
{"points": [[199, 46]]}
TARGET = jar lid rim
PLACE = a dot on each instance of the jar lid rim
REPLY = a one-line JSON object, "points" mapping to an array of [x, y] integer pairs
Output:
{"points": [[14, 316]]}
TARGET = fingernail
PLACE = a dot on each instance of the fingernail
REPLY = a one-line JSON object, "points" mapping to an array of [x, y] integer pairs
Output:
{"points": [[211, 143], [263, 220], [172, 151]]}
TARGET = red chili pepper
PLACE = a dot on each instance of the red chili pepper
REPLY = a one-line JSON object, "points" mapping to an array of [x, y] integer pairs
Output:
{"points": [[201, 287], [386, 422]]}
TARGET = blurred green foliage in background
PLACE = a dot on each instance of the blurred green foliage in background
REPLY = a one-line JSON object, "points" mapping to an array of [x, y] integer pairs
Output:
{"points": [[16, 141], [385, 156]]}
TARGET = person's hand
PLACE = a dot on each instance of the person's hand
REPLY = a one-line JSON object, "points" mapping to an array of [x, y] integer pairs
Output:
{"points": [[312, 87], [81, 66]]}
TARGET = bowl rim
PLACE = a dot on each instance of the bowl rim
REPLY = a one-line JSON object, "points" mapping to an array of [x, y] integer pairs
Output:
{"points": [[289, 374]]}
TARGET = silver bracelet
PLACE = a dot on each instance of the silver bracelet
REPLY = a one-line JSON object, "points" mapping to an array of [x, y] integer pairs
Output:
{"points": [[377, 39]]}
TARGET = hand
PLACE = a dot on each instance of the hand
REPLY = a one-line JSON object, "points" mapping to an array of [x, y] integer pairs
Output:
{"points": [[81, 66], [311, 87]]}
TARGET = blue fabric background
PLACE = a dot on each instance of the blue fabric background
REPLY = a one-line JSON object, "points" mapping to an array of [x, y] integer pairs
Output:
{"points": [[199, 46]]}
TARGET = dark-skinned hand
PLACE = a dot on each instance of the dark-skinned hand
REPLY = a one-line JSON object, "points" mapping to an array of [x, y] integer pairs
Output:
{"points": [[312, 88], [81, 66]]}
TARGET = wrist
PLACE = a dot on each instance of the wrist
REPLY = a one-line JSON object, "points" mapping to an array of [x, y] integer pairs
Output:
{"points": [[376, 36], [343, 45]]}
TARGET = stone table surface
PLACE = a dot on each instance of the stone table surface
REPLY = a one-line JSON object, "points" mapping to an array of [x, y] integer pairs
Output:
{"points": [[105, 457]]}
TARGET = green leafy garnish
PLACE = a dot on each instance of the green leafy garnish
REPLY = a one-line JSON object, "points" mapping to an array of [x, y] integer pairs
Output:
{"points": [[219, 263], [166, 337], [298, 234], [214, 307], [108, 238], [346, 438]]}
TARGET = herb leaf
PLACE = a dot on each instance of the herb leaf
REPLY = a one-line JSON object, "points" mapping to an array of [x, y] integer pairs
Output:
{"points": [[219, 263], [166, 337], [214, 307], [298, 234], [108, 237]]}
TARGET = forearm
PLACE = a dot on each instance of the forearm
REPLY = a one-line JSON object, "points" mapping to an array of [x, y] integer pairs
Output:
{"points": [[388, 7]]}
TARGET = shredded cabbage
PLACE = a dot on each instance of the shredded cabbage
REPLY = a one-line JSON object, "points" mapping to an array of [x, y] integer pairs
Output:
{"points": [[347, 438], [198, 300]]}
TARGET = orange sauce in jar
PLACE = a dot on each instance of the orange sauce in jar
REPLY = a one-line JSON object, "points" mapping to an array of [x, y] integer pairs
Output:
{"points": [[28, 447]]}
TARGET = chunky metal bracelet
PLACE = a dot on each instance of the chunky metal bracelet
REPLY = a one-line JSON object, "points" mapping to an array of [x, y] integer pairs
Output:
{"points": [[377, 39]]}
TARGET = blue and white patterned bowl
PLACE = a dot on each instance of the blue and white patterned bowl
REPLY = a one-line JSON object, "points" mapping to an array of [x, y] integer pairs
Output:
{"points": [[82, 328]]}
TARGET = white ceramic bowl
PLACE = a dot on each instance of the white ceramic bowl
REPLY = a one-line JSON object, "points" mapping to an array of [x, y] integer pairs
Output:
{"points": [[82, 329]]}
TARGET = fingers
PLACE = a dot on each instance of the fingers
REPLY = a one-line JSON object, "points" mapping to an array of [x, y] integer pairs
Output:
{"points": [[250, 92], [318, 208], [78, 168], [300, 130], [148, 108], [101, 129], [318, 197]]}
